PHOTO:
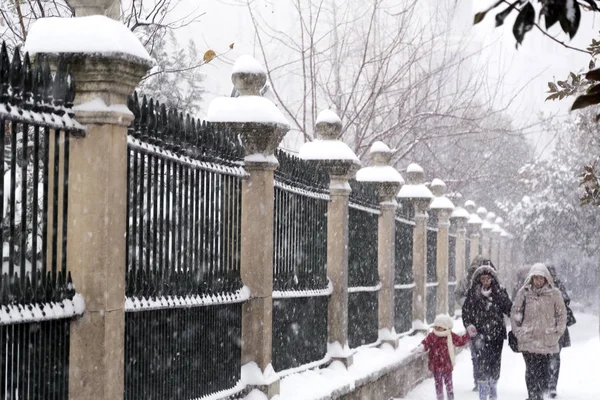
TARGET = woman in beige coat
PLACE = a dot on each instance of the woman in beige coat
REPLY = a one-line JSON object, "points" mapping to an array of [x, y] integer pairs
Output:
{"points": [[538, 318]]}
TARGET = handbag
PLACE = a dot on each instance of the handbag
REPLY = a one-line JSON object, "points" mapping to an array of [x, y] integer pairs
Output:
{"points": [[570, 317], [512, 339]]}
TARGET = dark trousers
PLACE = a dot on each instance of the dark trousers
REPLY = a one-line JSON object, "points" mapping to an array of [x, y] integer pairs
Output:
{"points": [[473, 361], [536, 374], [489, 358], [440, 379], [553, 371]]}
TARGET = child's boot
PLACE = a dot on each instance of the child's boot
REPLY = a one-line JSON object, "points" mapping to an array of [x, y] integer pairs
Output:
{"points": [[484, 389], [493, 390], [450, 396]]}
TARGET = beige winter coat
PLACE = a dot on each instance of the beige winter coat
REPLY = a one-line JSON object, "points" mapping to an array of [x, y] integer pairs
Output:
{"points": [[545, 317]]}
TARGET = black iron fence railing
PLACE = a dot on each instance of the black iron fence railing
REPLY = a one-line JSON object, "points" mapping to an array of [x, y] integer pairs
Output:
{"points": [[299, 328], [299, 263], [363, 278], [432, 282], [183, 255], [37, 297], [182, 353], [404, 281]]}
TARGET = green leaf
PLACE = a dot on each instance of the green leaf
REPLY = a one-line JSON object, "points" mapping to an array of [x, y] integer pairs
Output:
{"points": [[479, 17], [552, 87]]}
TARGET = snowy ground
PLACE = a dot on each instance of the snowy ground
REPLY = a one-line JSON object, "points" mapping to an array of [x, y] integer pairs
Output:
{"points": [[579, 374]]}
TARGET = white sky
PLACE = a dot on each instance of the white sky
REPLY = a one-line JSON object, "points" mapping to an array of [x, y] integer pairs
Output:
{"points": [[526, 70]]}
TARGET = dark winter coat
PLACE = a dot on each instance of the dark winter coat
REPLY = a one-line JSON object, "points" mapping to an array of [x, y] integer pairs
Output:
{"points": [[487, 313], [439, 358]]}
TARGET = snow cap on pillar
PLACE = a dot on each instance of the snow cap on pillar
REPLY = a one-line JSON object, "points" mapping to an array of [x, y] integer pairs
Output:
{"points": [[460, 214], [388, 179], [440, 201], [474, 219], [497, 229], [488, 219], [106, 60], [380, 171], [328, 150], [415, 189], [256, 119]]}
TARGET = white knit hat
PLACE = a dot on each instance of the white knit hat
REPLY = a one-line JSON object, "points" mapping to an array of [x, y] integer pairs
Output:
{"points": [[444, 321]]}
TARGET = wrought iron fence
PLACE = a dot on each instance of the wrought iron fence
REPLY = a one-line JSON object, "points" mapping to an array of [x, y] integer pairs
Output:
{"points": [[183, 250], [363, 277], [404, 281], [299, 263], [451, 273], [37, 298], [432, 282]]}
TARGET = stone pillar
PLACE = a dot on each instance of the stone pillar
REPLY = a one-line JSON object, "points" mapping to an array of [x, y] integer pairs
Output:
{"points": [[497, 243], [420, 197], [341, 169], [473, 227], [97, 196], [486, 229], [495, 247], [443, 207], [260, 139], [388, 182], [460, 216]]}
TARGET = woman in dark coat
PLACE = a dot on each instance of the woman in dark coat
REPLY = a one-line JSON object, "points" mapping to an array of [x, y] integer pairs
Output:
{"points": [[486, 305], [565, 339]]}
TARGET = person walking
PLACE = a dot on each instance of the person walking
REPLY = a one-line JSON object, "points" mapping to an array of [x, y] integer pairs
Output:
{"points": [[565, 339], [486, 305], [539, 319], [460, 294], [440, 344]]}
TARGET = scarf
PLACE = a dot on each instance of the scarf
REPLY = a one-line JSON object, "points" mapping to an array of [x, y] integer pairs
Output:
{"points": [[448, 334]]}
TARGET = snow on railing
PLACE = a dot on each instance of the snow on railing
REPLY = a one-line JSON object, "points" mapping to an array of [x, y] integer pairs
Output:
{"points": [[283, 294], [300, 191], [405, 286], [358, 289], [133, 304], [36, 312], [206, 165]]}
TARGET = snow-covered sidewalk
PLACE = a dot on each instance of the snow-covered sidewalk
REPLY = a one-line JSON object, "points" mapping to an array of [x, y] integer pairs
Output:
{"points": [[579, 373]]}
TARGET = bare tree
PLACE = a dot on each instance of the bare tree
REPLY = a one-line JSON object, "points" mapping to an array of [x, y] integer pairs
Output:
{"points": [[390, 69]]}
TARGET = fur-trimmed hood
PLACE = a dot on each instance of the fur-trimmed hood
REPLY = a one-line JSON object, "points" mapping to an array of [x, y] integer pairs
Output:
{"points": [[483, 270]]}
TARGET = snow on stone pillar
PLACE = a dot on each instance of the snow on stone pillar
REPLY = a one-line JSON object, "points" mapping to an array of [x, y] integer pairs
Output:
{"points": [[420, 197], [443, 207], [459, 217], [496, 232], [473, 227], [486, 229], [341, 163], [261, 127], [107, 62], [388, 181]]}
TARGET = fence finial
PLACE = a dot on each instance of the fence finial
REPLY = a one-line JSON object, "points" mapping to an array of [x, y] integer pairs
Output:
{"points": [[84, 8], [248, 76]]}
